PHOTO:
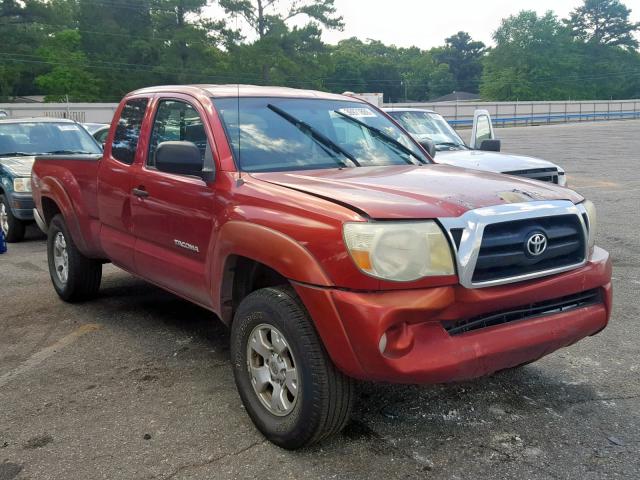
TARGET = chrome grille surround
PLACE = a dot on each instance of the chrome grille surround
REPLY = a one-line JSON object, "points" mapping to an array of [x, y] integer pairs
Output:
{"points": [[472, 224]]}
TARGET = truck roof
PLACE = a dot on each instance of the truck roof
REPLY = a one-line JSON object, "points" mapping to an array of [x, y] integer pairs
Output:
{"points": [[235, 90]]}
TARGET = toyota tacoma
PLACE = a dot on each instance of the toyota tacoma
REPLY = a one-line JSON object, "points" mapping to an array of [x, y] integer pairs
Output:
{"points": [[330, 243]]}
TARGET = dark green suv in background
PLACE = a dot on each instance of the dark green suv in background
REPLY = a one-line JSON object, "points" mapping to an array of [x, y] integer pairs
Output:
{"points": [[21, 140]]}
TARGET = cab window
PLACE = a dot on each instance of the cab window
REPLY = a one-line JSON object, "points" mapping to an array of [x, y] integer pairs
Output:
{"points": [[125, 140], [177, 121]]}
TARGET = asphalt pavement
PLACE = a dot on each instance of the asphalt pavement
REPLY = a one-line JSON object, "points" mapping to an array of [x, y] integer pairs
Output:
{"points": [[137, 383]]}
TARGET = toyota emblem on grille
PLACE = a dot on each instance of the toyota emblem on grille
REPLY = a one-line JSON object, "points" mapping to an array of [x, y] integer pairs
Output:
{"points": [[537, 244]]}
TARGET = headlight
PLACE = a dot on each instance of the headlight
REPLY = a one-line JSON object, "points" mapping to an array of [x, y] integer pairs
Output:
{"points": [[22, 185], [593, 222], [399, 251]]}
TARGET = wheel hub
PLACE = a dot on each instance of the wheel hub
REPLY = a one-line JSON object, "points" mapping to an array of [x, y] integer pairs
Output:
{"points": [[277, 367], [272, 370]]}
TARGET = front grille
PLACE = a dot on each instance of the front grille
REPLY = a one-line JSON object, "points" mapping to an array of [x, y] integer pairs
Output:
{"points": [[534, 310], [541, 174], [503, 252]]}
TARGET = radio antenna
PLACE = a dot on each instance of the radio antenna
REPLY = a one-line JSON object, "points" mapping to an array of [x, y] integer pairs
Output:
{"points": [[240, 181]]}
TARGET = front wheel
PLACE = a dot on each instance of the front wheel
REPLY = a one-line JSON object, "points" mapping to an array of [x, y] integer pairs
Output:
{"points": [[288, 384], [74, 276], [12, 227]]}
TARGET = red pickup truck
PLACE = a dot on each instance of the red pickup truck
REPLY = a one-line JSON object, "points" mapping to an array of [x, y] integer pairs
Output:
{"points": [[326, 238]]}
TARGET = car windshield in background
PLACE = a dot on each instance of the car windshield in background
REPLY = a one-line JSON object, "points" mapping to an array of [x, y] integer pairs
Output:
{"points": [[431, 126], [38, 138], [276, 134]]}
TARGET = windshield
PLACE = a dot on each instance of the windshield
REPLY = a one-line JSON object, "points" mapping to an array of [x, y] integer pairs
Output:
{"points": [[431, 126], [278, 134], [37, 138]]}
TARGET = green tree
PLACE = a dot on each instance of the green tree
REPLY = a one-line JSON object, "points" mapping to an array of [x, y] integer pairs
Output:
{"points": [[190, 42], [118, 39], [399, 73], [423, 77], [604, 22], [270, 20], [295, 58], [534, 58], [464, 57], [69, 77], [263, 15], [21, 33]]}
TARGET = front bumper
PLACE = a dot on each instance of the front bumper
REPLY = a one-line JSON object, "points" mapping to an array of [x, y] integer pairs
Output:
{"points": [[22, 205], [418, 348]]}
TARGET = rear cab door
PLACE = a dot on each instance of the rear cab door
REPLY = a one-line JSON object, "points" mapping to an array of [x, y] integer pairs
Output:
{"points": [[174, 215], [115, 177]]}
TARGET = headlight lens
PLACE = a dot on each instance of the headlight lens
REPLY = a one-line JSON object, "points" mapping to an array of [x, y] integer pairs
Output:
{"points": [[593, 221], [22, 185], [399, 251]]}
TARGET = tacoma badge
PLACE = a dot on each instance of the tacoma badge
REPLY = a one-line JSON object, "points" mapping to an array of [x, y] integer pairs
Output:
{"points": [[186, 246]]}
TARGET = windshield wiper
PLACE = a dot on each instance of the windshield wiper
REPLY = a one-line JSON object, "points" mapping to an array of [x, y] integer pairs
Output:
{"points": [[449, 144], [18, 154], [308, 130], [68, 152], [383, 136]]}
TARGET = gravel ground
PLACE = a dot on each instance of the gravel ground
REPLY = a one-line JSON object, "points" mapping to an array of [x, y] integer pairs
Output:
{"points": [[137, 384]]}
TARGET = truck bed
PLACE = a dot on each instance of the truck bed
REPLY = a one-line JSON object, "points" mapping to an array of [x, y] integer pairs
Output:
{"points": [[74, 178]]}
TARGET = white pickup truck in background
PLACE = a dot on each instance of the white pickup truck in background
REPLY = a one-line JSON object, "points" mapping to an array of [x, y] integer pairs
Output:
{"points": [[483, 152]]}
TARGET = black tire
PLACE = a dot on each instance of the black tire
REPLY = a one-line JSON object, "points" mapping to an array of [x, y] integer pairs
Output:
{"points": [[84, 274], [15, 232], [325, 396]]}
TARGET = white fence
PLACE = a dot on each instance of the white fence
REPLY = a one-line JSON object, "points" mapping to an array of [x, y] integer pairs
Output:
{"points": [[506, 114], [459, 114], [80, 112]]}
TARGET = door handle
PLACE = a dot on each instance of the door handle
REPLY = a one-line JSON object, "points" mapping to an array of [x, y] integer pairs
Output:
{"points": [[140, 192]]}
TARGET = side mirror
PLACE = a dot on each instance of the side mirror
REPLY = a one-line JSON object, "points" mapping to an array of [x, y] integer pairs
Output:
{"points": [[429, 146], [490, 145], [182, 158]]}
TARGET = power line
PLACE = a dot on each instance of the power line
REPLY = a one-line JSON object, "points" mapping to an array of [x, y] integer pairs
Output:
{"points": [[243, 78], [213, 78], [542, 80]]}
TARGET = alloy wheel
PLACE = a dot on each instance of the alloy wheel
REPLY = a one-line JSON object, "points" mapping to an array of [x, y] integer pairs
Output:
{"points": [[61, 258], [272, 369]]}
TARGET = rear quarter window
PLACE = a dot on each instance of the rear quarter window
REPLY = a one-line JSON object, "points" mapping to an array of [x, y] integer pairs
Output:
{"points": [[127, 135]]}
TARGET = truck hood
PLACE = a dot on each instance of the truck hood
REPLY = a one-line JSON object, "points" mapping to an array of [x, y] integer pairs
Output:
{"points": [[416, 192], [491, 161], [17, 166]]}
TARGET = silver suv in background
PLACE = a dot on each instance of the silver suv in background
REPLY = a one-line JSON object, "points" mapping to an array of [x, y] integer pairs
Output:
{"points": [[483, 152]]}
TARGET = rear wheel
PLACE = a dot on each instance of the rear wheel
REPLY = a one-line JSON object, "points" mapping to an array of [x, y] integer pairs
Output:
{"points": [[12, 227], [74, 276], [288, 384]]}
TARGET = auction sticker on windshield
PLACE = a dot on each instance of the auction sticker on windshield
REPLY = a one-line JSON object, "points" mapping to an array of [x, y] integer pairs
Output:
{"points": [[358, 112]]}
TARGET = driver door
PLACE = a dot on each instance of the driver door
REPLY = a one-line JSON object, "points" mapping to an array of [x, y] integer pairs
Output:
{"points": [[173, 215]]}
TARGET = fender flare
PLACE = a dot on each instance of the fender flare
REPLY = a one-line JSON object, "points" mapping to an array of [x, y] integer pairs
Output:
{"points": [[268, 247], [53, 190]]}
